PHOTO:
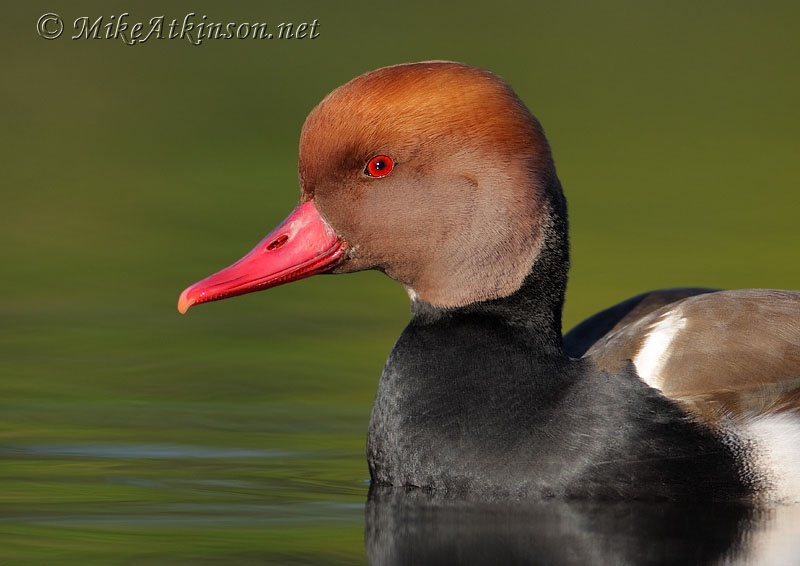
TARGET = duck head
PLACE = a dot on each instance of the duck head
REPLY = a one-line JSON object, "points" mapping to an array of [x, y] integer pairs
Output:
{"points": [[434, 173]]}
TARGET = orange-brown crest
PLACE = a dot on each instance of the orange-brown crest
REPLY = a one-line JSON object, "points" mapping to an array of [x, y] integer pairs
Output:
{"points": [[438, 105]]}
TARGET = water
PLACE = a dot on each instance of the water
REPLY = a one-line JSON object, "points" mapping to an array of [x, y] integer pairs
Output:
{"points": [[164, 503], [127, 503], [127, 436], [413, 528]]}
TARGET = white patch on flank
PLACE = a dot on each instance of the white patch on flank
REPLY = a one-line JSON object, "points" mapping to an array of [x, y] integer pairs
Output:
{"points": [[412, 294], [771, 541], [776, 439], [653, 355]]}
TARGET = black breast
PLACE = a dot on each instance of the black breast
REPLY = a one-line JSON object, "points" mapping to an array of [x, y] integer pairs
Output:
{"points": [[470, 403]]}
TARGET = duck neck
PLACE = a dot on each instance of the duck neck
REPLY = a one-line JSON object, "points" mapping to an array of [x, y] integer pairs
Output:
{"points": [[535, 308]]}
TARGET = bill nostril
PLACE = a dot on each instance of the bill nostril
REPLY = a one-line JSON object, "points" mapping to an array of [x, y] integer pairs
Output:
{"points": [[277, 243]]}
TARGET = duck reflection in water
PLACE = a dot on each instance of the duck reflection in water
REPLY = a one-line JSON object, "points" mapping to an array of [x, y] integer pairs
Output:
{"points": [[422, 527]]}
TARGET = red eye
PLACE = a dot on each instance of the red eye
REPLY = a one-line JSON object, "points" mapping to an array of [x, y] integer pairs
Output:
{"points": [[379, 166]]}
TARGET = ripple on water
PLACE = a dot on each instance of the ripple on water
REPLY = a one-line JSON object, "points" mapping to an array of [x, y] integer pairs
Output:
{"points": [[147, 451]]}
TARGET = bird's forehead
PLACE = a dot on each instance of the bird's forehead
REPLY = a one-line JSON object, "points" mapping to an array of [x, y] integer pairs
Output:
{"points": [[410, 108]]}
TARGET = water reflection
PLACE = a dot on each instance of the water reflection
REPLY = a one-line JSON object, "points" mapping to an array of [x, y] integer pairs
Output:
{"points": [[416, 527], [279, 507]]}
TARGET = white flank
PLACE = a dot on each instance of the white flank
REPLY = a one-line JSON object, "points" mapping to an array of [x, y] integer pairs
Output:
{"points": [[653, 355], [777, 445], [771, 541]]}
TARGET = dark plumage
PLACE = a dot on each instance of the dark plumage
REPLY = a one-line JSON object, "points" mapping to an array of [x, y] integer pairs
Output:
{"points": [[471, 403]]}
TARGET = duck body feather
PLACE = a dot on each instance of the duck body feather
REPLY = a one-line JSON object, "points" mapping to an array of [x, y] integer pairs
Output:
{"points": [[469, 402]]}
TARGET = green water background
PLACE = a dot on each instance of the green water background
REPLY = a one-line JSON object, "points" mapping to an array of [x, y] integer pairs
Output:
{"points": [[130, 434]]}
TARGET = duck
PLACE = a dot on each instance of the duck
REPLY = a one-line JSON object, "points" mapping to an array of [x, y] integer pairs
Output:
{"points": [[437, 174]]}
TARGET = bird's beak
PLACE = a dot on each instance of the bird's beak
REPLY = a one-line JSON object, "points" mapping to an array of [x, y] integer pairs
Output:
{"points": [[301, 246]]}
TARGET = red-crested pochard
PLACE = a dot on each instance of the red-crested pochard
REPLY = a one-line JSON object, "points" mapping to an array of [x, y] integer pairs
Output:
{"points": [[438, 175]]}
